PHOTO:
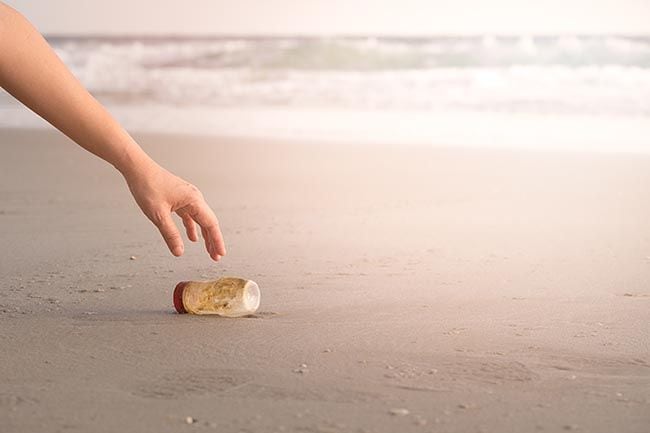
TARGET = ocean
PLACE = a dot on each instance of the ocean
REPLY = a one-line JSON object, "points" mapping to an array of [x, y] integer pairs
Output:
{"points": [[559, 92]]}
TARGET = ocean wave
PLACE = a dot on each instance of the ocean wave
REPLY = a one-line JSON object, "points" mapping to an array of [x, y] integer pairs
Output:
{"points": [[366, 53], [555, 75]]}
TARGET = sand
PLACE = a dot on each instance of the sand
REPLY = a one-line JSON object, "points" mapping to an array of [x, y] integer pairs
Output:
{"points": [[404, 289]]}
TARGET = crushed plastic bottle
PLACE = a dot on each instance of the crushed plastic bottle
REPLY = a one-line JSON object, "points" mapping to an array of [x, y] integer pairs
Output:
{"points": [[227, 296]]}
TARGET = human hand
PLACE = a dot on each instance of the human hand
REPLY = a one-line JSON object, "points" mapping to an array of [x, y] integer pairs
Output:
{"points": [[32, 72], [159, 193]]}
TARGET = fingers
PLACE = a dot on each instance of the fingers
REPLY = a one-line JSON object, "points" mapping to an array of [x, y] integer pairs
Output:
{"points": [[190, 227], [170, 233], [205, 218]]}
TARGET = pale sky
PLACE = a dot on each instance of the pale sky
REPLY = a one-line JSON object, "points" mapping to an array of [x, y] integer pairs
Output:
{"points": [[327, 17]]}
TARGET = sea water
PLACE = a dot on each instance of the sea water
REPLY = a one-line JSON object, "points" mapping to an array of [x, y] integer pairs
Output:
{"points": [[574, 92]]}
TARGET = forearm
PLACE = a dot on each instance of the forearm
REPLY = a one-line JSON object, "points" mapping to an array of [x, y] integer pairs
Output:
{"points": [[33, 74]]}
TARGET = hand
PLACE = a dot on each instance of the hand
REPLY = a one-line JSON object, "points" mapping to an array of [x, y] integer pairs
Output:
{"points": [[159, 193]]}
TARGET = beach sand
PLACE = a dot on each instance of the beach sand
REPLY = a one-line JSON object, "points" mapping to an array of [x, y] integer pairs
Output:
{"points": [[404, 289]]}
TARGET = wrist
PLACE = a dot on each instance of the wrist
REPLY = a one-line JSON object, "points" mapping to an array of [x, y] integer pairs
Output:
{"points": [[133, 162]]}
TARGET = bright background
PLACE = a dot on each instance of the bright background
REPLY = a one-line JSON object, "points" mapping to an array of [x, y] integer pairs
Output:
{"points": [[422, 17]]}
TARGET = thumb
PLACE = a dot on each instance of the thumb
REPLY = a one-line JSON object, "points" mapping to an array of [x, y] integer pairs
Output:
{"points": [[170, 233]]}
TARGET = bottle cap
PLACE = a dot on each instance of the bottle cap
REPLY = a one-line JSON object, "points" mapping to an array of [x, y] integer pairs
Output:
{"points": [[178, 297]]}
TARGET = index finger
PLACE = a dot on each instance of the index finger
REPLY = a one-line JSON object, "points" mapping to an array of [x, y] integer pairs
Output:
{"points": [[210, 230]]}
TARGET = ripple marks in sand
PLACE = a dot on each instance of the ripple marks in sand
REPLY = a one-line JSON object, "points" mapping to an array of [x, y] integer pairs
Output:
{"points": [[494, 371], [197, 382], [447, 371], [240, 384]]}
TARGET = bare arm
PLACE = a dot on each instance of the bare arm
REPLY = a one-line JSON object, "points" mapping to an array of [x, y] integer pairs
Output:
{"points": [[33, 74]]}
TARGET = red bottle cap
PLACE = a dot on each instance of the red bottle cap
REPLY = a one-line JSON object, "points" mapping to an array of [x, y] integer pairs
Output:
{"points": [[178, 297]]}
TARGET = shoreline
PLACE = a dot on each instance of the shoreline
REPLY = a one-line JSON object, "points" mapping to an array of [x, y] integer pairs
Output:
{"points": [[571, 133]]}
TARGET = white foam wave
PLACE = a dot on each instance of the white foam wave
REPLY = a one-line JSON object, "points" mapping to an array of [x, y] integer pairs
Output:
{"points": [[524, 74], [603, 78]]}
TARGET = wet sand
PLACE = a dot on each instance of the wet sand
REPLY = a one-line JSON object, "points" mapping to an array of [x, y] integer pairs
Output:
{"points": [[403, 290]]}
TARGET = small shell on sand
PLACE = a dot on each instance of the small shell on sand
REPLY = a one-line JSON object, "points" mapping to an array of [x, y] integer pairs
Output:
{"points": [[302, 369], [132, 258], [399, 412], [189, 420]]}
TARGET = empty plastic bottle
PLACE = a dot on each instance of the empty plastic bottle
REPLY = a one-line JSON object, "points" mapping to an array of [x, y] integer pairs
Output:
{"points": [[227, 296]]}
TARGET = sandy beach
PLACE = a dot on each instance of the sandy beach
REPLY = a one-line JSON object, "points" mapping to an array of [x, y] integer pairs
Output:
{"points": [[404, 289]]}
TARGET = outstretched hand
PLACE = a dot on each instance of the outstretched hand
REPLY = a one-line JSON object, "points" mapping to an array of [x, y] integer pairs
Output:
{"points": [[159, 193], [32, 72]]}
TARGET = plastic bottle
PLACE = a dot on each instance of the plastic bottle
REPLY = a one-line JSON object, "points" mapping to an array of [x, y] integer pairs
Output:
{"points": [[227, 296]]}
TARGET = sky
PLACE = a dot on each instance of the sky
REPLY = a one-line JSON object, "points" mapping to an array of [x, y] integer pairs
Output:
{"points": [[330, 17]]}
